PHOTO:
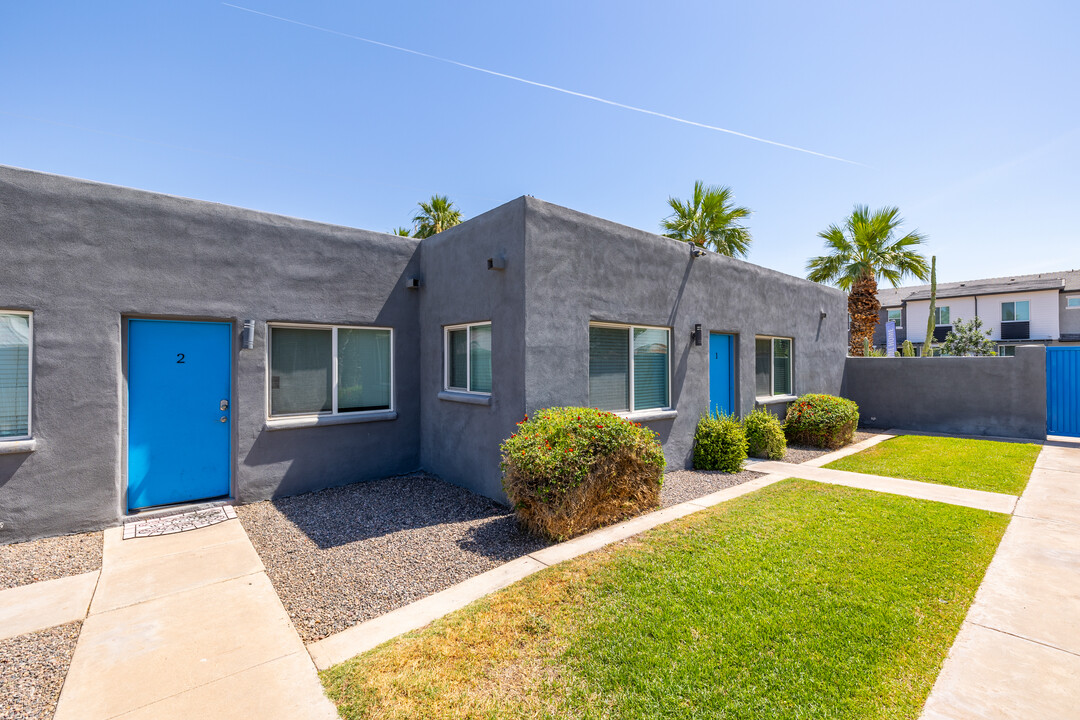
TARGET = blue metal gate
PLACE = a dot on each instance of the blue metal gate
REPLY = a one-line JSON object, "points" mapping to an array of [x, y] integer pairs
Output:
{"points": [[1063, 391]]}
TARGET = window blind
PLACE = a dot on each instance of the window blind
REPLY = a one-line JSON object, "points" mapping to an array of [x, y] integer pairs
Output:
{"points": [[300, 370], [763, 367], [609, 368], [14, 375], [650, 368], [363, 370], [459, 359], [781, 366], [480, 356]]}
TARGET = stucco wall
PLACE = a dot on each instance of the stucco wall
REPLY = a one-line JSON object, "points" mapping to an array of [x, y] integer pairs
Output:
{"points": [[1069, 322], [998, 396], [460, 441], [82, 256], [582, 269]]}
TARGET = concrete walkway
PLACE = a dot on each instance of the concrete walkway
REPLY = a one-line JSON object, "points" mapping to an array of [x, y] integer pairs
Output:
{"points": [[979, 499], [188, 626], [1018, 652]]}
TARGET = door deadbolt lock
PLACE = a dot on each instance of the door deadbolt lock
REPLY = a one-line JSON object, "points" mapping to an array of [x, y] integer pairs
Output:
{"points": [[224, 405]]}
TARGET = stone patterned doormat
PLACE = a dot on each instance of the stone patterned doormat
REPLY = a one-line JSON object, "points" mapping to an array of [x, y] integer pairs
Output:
{"points": [[180, 522]]}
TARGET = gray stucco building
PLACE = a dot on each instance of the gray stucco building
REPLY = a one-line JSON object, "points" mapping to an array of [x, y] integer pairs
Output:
{"points": [[164, 350]]}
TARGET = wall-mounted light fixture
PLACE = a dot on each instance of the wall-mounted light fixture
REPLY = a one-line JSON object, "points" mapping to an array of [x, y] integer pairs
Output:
{"points": [[696, 334], [823, 314], [412, 283], [247, 335], [497, 263], [695, 251]]}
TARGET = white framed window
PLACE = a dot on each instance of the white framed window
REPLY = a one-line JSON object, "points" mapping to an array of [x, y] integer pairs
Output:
{"points": [[329, 370], [941, 316], [467, 358], [1015, 311], [1072, 303], [895, 315], [1006, 350], [629, 367], [16, 361], [772, 367]]}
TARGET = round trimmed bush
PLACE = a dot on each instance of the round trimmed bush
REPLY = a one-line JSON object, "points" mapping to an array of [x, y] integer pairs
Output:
{"points": [[823, 421], [719, 444], [764, 435], [568, 470]]}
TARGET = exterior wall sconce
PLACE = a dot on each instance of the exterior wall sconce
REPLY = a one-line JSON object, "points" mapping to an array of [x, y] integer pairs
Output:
{"points": [[412, 283], [497, 263], [823, 314], [247, 335], [695, 251], [696, 334]]}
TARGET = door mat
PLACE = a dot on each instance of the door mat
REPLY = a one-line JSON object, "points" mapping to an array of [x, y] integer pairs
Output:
{"points": [[180, 522]]}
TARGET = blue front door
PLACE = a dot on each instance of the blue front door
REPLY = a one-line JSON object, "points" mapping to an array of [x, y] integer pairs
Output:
{"points": [[179, 419], [721, 373], [1063, 391]]}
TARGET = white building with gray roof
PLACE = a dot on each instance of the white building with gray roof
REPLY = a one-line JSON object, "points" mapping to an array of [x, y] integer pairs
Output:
{"points": [[1021, 309]]}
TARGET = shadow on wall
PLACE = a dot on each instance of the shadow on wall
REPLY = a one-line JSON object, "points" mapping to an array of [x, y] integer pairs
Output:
{"points": [[9, 465], [376, 508]]}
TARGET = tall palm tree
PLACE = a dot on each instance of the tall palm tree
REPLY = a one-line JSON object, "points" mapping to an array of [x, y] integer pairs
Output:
{"points": [[434, 216], [861, 252], [402, 231], [710, 219]]}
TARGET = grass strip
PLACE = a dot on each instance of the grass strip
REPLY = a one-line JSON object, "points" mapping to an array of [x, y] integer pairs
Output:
{"points": [[802, 600], [991, 465]]}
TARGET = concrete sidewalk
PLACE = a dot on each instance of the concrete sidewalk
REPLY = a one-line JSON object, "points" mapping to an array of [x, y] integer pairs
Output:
{"points": [[1018, 652], [979, 499], [188, 626]]}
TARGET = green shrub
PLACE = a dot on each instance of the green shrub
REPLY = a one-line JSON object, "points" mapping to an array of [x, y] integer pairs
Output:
{"points": [[569, 470], [719, 444], [824, 421], [764, 435]]}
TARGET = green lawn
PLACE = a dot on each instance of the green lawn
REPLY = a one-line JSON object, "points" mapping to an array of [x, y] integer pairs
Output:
{"points": [[801, 600], [996, 466]]}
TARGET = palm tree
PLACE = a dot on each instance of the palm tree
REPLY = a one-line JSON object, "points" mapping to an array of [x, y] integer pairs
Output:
{"points": [[434, 216], [861, 252], [402, 231], [710, 220]]}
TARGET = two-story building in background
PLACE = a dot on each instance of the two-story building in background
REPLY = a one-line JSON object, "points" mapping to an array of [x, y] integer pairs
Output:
{"points": [[1017, 310]]}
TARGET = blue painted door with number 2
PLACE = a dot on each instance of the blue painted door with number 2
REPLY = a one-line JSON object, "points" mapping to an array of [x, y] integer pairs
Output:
{"points": [[179, 419]]}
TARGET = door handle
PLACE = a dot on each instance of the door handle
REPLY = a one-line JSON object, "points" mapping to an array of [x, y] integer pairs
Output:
{"points": [[224, 419], [224, 405]]}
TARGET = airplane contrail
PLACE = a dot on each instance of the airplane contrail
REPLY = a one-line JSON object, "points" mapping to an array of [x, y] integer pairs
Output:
{"points": [[541, 85]]}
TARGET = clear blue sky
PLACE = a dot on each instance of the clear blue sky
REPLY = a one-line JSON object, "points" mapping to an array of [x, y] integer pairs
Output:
{"points": [[964, 114]]}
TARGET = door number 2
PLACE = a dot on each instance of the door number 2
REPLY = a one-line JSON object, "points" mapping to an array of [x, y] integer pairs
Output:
{"points": [[179, 358]]}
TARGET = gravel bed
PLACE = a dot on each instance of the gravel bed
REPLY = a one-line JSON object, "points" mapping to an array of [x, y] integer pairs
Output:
{"points": [[802, 453], [32, 671], [49, 558], [682, 485], [345, 555]]}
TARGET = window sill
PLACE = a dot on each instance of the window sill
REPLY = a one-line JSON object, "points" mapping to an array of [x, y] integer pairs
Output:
{"points": [[649, 415], [319, 420], [774, 399], [10, 447], [465, 397]]}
